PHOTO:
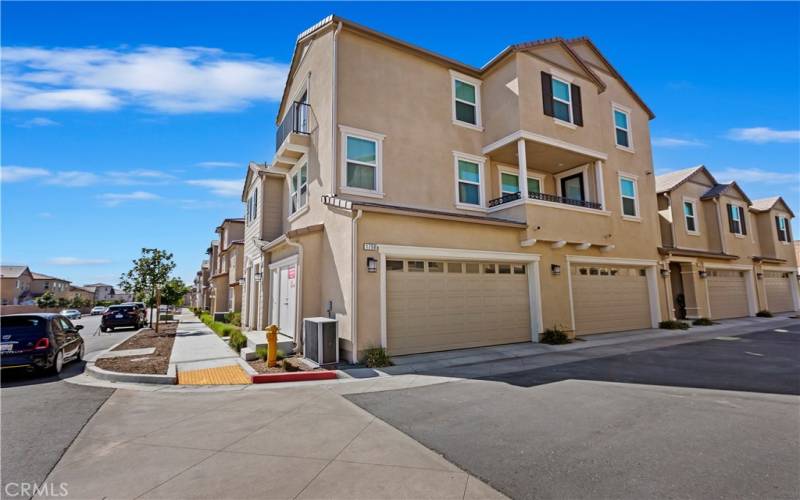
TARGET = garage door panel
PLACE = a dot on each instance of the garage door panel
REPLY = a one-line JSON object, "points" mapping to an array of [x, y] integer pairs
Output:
{"points": [[727, 294], [608, 299], [432, 311], [779, 291]]}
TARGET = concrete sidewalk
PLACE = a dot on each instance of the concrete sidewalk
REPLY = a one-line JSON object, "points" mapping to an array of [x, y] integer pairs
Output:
{"points": [[304, 442]]}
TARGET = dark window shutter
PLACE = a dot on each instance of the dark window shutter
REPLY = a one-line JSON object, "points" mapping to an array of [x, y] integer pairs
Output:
{"points": [[788, 230], [577, 108], [741, 220], [547, 93], [730, 218], [778, 228]]}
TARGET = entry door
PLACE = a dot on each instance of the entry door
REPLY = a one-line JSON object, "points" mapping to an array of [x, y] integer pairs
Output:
{"points": [[286, 298]]}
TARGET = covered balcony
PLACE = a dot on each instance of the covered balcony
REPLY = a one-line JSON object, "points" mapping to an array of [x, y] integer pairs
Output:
{"points": [[292, 138], [560, 186]]}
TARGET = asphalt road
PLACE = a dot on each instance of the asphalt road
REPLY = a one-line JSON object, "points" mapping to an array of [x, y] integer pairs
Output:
{"points": [[41, 415], [631, 426]]}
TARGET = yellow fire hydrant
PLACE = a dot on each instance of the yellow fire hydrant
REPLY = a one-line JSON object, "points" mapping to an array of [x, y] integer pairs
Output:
{"points": [[272, 346]]}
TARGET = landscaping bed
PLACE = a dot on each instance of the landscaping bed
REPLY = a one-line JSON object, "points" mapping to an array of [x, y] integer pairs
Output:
{"points": [[156, 363], [290, 364]]}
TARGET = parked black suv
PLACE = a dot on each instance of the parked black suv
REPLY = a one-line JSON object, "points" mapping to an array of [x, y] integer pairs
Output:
{"points": [[121, 315], [139, 305], [42, 342]]}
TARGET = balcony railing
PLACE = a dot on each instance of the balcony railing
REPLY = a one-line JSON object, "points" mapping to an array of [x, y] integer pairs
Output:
{"points": [[509, 197], [295, 122]]}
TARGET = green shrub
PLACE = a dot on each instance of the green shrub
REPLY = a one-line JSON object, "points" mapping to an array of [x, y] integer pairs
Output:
{"points": [[673, 325], [237, 340], [261, 352], [234, 318], [555, 336], [702, 322], [376, 357], [764, 314]]}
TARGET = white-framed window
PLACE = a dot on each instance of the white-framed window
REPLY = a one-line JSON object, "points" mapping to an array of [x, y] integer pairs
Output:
{"points": [[298, 188], [690, 216], [629, 196], [362, 158], [736, 215], [466, 100], [622, 126], [509, 182], [782, 225], [469, 180], [252, 206], [562, 99]]}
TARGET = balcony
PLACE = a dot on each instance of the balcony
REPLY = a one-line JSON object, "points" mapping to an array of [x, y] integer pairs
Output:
{"points": [[508, 198], [292, 138]]}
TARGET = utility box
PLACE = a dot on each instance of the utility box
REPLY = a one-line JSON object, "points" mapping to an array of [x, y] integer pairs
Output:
{"points": [[321, 340]]}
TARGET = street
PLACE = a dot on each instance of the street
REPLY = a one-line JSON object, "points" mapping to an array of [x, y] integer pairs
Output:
{"points": [[42, 415]]}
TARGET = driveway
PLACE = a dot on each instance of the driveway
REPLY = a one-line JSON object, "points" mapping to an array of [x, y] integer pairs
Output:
{"points": [[717, 418]]}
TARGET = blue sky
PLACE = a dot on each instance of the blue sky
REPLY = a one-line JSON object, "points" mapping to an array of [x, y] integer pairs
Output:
{"points": [[129, 125]]}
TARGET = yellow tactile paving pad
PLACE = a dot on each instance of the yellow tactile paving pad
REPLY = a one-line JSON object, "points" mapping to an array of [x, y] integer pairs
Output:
{"points": [[220, 375]]}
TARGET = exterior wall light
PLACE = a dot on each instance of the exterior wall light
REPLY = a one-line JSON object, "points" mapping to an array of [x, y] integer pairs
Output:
{"points": [[372, 264], [760, 275], [241, 281], [703, 274], [665, 272], [555, 269], [257, 276]]}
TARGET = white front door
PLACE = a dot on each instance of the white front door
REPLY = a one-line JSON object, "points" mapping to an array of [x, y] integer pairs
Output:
{"points": [[288, 295]]}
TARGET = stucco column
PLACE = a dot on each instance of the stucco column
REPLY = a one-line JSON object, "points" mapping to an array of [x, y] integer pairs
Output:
{"points": [[694, 291], [598, 176], [761, 287], [523, 169]]}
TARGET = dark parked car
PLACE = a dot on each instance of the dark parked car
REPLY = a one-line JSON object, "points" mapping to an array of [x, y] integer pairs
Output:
{"points": [[42, 342], [121, 315], [139, 305]]}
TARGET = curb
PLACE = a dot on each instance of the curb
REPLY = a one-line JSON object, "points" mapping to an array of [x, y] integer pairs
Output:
{"points": [[270, 378], [171, 378]]}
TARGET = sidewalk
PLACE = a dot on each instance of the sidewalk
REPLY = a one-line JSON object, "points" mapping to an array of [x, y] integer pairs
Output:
{"points": [[301, 442]]}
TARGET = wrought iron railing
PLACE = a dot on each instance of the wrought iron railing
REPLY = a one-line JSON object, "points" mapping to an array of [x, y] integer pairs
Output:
{"points": [[509, 197], [295, 121]]}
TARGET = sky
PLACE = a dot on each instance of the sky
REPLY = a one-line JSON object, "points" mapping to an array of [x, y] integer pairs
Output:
{"points": [[130, 125]]}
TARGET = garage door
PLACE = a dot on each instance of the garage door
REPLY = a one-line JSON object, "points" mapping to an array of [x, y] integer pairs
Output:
{"points": [[441, 305], [779, 291], [727, 293], [609, 298]]}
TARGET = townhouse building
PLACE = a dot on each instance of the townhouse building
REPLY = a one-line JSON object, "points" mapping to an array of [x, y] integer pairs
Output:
{"points": [[84, 293], [102, 291], [226, 255], [460, 207], [727, 256], [201, 284], [42, 283], [15, 285]]}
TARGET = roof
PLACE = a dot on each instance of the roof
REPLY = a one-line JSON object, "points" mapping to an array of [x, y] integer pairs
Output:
{"points": [[40, 276], [671, 180], [13, 271], [720, 189], [74, 287], [97, 284], [766, 204], [331, 20]]}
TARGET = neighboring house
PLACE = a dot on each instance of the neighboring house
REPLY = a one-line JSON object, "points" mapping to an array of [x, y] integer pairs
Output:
{"points": [[16, 285], [102, 291], [727, 256], [43, 283], [204, 299], [84, 293], [122, 295], [226, 255], [430, 205], [796, 244]]}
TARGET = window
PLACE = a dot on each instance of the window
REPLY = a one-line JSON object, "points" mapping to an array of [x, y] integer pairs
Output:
{"points": [[435, 267], [469, 181], [298, 189], [562, 100], [472, 267], [509, 184], [252, 206], [628, 195], [466, 100], [519, 268], [416, 266], [454, 267], [782, 225], [488, 269], [504, 268], [736, 222], [572, 187], [690, 216], [622, 127], [362, 158]]}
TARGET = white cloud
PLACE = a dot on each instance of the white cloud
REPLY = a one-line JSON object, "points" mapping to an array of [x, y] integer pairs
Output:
{"points": [[45, 215], [756, 175], [674, 142], [77, 261], [218, 164], [162, 79], [38, 122], [762, 135], [114, 199], [13, 173], [220, 187], [138, 176], [73, 178]]}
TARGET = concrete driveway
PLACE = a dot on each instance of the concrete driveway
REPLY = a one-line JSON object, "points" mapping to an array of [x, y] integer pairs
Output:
{"points": [[572, 430]]}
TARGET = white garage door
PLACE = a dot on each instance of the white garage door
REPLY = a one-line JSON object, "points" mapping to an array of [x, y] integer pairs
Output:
{"points": [[440, 305], [779, 291], [727, 293], [609, 298]]}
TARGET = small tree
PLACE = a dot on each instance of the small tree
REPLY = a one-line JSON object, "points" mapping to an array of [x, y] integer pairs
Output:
{"points": [[173, 291], [149, 273], [62, 302], [77, 302], [46, 300]]}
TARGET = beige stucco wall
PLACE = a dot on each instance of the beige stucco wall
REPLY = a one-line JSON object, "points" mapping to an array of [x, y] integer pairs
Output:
{"points": [[707, 238]]}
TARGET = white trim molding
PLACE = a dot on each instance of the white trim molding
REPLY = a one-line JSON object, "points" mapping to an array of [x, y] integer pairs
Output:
{"points": [[627, 112], [476, 83], [635, 179], [695, 203], [543, 139], [532, 269], [375, 137], [481, 161]]}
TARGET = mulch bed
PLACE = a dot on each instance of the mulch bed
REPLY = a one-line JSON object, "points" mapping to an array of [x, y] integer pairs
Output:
{"points": [[154, 364], [260, 366]]}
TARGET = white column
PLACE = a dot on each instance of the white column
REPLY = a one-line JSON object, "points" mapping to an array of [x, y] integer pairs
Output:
{"points": [[523, 169], [598, 177]]}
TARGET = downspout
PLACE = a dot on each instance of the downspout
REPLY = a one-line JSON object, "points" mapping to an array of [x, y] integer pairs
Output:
{"points": [[298, 324], [334, 117], [354, 290]]}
